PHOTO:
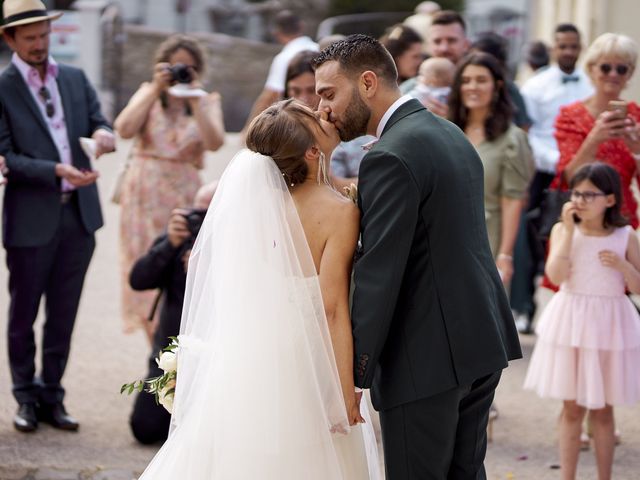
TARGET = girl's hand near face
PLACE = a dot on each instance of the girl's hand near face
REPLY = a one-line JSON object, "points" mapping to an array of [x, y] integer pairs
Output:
{"points": [[568, 216]]}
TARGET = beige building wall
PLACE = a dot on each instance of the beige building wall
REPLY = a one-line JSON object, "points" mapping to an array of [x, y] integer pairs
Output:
{"points": [[592, 17]]}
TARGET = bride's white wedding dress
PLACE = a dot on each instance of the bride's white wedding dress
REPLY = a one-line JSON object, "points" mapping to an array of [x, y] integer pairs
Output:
{"points": [[258, 394]]}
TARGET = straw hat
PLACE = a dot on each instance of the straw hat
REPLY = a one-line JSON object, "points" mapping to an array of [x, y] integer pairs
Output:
{"points": [[22, 12]]}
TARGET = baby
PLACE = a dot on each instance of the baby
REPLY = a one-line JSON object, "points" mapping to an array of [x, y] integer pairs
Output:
{"points": [[434, 80]]}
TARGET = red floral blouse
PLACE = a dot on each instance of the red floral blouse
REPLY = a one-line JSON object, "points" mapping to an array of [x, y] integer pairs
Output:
{"points": [[573, 124]]}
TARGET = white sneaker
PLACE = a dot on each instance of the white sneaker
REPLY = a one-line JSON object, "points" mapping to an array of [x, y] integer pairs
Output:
{"points": [[522, 323]]}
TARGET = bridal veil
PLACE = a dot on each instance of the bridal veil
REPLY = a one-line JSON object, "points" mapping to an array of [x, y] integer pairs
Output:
{"points": [[258, 394]]}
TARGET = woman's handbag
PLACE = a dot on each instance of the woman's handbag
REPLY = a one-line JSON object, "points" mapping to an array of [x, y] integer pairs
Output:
{"points": [[116, 189]]}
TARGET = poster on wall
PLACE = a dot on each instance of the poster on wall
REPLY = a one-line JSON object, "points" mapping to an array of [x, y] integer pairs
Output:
{"points": [[65, 37]]}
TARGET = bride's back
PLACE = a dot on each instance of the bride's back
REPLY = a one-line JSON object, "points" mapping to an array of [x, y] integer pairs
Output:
{"points": [[298, 142], [324, 213]]}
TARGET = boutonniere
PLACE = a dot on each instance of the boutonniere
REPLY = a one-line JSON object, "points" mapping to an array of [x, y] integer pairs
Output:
{"points": [[351, 192]]}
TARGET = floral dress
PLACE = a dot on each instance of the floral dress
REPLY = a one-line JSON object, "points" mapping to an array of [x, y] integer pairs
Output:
{"points": [[162, 175]]}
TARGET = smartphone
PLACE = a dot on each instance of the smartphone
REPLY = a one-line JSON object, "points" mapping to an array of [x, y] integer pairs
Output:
{"points": [[618, 106], [576, 218]]}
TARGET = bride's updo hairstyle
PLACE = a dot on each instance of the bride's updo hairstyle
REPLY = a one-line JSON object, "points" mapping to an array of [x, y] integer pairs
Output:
{"points": [[282, 132]]}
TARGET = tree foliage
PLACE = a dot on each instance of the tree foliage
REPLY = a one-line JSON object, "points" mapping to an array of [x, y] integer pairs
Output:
{"points": [[342, 7]]}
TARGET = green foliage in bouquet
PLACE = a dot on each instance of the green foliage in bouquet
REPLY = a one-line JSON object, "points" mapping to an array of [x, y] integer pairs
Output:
{"points": [[162, 387]]}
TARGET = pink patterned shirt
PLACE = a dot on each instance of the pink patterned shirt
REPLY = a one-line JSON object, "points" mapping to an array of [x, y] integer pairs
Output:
{"points": [[56, 123]]}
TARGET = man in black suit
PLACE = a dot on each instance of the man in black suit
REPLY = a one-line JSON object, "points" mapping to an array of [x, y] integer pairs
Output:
{"points": [[164, 267], [431, 322], [51, 207]]}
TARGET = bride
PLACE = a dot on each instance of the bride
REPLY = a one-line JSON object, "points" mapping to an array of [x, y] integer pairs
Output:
{"points": [[265, 368]]}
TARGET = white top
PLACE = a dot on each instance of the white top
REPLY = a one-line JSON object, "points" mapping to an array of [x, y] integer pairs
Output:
{"points": [[544, 94], [278, 70], [390, 111]]}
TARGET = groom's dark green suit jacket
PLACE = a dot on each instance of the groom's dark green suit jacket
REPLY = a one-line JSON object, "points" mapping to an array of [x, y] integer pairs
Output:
{"points": [[429, 309]]}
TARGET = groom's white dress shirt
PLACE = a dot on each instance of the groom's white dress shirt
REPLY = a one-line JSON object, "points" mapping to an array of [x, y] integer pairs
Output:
{"points": [[390, 111]]}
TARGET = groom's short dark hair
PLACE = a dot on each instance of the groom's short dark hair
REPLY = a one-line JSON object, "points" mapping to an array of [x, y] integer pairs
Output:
{"points": [[359, 53]]}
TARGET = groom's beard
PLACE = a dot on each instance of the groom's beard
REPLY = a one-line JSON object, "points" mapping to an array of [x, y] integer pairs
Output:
{"points": [[356, 118]]}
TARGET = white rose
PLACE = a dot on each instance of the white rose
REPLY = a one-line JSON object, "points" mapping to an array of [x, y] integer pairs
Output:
{"points": [[166, 399], [168, 362]]}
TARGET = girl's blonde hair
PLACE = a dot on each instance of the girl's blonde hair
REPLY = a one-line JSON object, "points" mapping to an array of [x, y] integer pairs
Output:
{"points": [[614, 44]]}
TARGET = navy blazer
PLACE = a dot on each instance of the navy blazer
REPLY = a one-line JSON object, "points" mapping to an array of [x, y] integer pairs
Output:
{"points": [[429, 309], [32, 195]]}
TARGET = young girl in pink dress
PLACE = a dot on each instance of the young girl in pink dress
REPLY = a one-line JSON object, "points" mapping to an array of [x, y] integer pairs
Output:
{"points": [[588, 347]]}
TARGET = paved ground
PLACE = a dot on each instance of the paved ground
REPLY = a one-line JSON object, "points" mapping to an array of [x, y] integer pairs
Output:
{"points": [[103, 358]]}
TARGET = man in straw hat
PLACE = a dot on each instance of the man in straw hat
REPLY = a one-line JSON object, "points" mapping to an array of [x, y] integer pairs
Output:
{"points": [[51, 207]]}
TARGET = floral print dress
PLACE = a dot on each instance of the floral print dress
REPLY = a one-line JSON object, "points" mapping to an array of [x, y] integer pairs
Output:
{"points": [[162, 175]]}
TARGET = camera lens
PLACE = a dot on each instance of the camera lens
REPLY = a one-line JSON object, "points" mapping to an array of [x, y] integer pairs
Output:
{"points": [[180, 73]]}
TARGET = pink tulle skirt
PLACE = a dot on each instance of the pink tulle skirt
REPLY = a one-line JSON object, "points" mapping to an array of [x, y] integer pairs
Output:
{"points": [[588, 350]]}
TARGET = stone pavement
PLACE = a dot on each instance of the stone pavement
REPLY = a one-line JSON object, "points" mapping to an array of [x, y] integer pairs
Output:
{"points": [[102, 359]]}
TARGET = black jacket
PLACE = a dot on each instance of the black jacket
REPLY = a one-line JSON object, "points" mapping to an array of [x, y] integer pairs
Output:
{"points": [[162, 267], [32, 196], [429, 309]]}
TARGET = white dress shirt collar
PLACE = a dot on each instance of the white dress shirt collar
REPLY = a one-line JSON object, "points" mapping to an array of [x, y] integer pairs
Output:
{"points": [[390, 111]]}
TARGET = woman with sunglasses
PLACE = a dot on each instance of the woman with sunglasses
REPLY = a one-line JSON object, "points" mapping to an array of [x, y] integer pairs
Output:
{"points": [[173, 122], [594, 129]]}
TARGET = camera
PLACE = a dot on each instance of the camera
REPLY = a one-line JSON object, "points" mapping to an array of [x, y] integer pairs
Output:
{"points": [[194, 218], [181, 73]]}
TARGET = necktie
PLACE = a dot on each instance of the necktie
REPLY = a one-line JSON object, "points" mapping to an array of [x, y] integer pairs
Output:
{"points": [[570, 78]]}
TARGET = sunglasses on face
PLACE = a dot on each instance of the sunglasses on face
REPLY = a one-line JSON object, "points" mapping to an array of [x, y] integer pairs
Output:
{"points": [[621, 69], [588, 197], [48, 103]]}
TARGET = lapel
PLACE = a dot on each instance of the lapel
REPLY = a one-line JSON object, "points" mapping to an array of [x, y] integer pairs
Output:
{"points": [[25, 93], [404, 110], [65, 94]]}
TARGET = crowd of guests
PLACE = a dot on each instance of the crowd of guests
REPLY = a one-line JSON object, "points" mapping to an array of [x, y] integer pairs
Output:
{"points": [[563, 129]]}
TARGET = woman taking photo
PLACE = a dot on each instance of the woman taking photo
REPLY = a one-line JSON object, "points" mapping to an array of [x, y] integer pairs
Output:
{"points": [[173, 127], [602, 127], [480, 106]]}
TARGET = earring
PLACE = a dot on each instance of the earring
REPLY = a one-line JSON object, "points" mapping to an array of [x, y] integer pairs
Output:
{"points": [[323, 176]]}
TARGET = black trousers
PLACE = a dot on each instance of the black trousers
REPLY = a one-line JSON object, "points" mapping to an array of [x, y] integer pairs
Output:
{"points": [[55, 270], [149, 421], [526, 255], [440, 437]]}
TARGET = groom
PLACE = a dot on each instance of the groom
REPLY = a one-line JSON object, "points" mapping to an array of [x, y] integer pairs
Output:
{"points": [[431, 322]]}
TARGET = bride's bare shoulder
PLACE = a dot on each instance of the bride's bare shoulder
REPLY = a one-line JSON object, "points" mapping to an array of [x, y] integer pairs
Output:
{"points": [[339, 209]]}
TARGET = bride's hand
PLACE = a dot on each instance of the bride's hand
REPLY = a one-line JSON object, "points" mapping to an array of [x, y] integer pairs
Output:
{"points": [[353, 410]]}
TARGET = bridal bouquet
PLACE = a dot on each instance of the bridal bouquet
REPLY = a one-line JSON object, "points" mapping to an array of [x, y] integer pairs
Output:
{"points": [[164, 386]]}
